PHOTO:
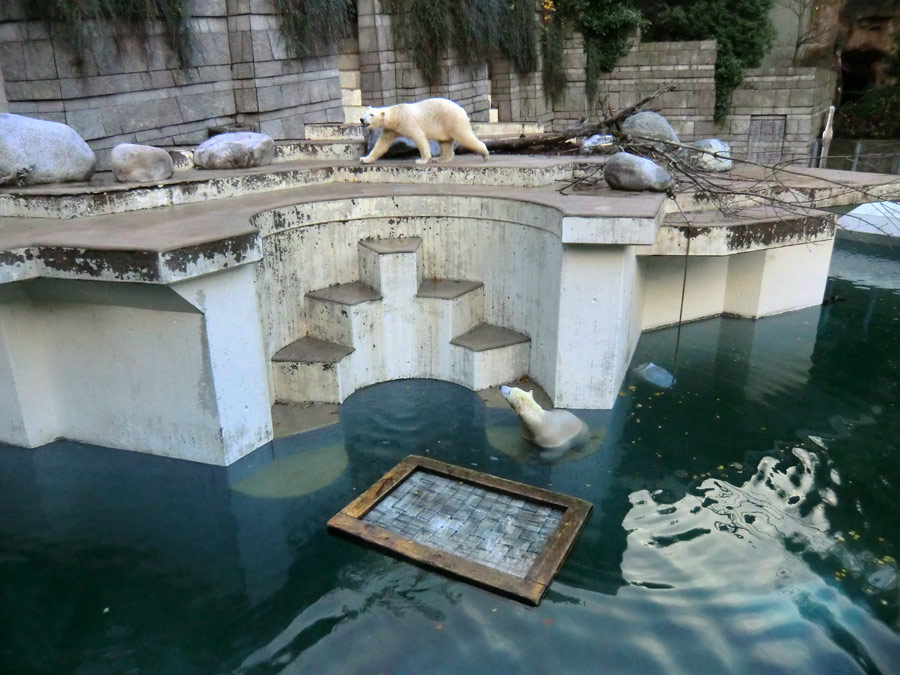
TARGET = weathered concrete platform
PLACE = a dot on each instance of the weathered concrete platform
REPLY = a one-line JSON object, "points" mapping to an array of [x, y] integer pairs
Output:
{"points": [[168, 319]]}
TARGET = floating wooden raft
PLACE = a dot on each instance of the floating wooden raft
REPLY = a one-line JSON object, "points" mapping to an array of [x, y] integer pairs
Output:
{"points": [[507, 536]]}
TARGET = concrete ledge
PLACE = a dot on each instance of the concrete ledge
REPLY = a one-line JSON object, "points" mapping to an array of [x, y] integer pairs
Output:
{"points": [[749, 230], [447, 289], [485, 337], [312, 350], [354, 293]]}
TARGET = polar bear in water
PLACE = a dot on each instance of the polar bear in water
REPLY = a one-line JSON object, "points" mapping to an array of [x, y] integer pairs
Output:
{"points": [[434, 118], [552, 430]]}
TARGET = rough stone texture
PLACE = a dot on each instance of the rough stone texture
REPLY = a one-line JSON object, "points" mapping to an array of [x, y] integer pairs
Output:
{"points": [[140, 163], [709, 162], [777, 113], [624, 171], [649, 124], [238, 150], [388, 74], [37, 151]]}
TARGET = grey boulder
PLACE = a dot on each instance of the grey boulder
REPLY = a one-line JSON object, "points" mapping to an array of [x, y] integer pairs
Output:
{"points": [[703, 160], [647, 124], [140, 163], [624, 171], [33, 152], [235, 150]]}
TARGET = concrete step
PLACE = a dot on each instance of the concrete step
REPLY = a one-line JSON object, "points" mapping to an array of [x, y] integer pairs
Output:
{"points": [[309, 369], [489, 355], [503, 129], [290, 151], [392, 267], [342, 313], [334, 132], [445, 308]]}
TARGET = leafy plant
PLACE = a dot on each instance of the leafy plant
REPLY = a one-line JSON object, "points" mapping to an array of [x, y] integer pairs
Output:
{"points": [[605, 26], [875, 114], [126, 17], [477, 30], [311, 26], [742, 29]]}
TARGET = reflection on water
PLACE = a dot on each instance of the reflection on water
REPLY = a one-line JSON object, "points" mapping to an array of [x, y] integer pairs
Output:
{"points": [[744, 522]]}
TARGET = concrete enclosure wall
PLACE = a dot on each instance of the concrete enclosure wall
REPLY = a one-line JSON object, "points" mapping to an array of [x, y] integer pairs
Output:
{"points": [[240, 74], [521, 291], [133, 90]]}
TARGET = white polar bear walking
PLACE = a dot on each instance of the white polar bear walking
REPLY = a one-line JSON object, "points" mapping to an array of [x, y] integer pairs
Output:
{"points": [[439, 119]]}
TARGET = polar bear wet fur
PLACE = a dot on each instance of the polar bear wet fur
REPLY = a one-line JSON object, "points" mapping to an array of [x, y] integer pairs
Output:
{"points": [[438, 119], [547, 429]]}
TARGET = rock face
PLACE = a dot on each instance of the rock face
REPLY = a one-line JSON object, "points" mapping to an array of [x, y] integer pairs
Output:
{"points": [[140, 163], [624, 171], [37, 151], [650, 125], [237, 150], [702, 160]]}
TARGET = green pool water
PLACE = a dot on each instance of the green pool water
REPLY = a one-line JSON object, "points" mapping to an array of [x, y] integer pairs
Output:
{"points": [[745, 521]]}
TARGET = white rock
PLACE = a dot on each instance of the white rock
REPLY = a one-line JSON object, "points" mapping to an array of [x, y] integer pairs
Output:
{"points": [[140, 163], [624, 171], [703, 160], [236, 150], [38, 151]]}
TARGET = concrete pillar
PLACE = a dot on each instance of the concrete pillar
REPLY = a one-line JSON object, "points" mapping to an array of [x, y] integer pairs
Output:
{"points": [[27, 397], [776, 280], [599, 324], [238, 365], [4, 101]]}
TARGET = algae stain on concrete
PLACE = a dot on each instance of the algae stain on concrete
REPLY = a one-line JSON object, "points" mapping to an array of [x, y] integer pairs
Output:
{"points": [[296, 475]]}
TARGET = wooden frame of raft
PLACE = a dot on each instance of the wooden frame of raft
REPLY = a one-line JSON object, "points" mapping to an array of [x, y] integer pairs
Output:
{"points": [[530, 588]]}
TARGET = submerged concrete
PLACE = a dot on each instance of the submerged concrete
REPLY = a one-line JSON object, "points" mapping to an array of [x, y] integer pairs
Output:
{"points": [[169, 319]]}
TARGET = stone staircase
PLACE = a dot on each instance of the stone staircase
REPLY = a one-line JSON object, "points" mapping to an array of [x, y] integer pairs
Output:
{"points": [[394, 324]]}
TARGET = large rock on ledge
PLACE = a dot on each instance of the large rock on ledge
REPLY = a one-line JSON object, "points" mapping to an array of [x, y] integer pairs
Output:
{"points": [[647, 124], [624, 171], [236, 150], [33, 152], [140, 163], [721, 161]]}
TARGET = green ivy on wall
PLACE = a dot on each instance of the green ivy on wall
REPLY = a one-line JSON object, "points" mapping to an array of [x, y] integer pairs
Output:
{"points": [[477, 30], [313, 26], [126, 17], [742, 29]]}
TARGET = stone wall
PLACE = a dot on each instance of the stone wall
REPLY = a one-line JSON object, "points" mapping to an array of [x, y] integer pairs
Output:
{"points": [[648, 66], [128, 89], [133, 90], [388, 74], [777, 113]]}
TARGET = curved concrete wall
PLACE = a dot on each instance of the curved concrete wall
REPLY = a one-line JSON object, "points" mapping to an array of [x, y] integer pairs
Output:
{"points": [[512, 247]]}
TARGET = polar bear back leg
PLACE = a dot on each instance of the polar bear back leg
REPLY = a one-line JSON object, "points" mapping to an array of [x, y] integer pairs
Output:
{"points": [[470, 141]]}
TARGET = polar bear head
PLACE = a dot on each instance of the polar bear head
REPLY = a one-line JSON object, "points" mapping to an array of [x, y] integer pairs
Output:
{"points": [[374, 117], [521, 401]]}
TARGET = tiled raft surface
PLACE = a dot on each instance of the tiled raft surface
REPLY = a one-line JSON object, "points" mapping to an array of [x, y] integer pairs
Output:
{"points": [[497, 530]]}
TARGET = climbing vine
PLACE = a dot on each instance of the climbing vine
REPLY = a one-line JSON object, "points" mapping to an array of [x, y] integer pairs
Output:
{"points": [[477, 30], [311, 26], [70, 21], [605, 25], [742, 29]]}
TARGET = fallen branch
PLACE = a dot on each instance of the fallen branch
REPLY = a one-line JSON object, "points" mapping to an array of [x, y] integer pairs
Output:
{"points": [[560, 138]]}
